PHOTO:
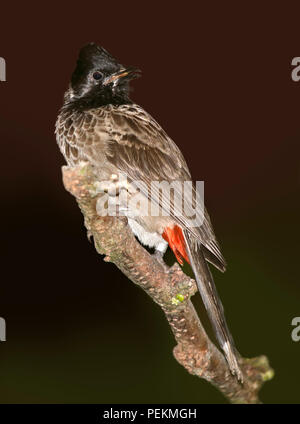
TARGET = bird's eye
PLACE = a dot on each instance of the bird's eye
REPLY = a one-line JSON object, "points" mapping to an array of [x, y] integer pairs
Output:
{"points": [[97, 75]]}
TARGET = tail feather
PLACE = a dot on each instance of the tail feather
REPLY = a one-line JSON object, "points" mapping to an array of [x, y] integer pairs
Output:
{"points": [[212, 303], [213, 259]]}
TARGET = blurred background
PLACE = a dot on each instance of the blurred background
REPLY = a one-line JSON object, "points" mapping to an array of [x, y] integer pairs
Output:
{"points": [[218, 79]]}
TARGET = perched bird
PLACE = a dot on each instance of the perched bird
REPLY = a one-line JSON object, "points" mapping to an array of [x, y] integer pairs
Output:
{"points": [[100, 124]]}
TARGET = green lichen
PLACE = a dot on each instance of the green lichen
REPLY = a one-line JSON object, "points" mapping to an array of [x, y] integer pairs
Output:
{"points": [[83, 170], [268, 375], [180, 297]]}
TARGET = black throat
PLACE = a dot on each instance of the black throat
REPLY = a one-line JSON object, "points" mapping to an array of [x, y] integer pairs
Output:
{"points": [[98, 99]]}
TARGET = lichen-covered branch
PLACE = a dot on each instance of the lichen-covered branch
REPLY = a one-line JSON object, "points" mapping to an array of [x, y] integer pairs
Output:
{"points": [[171, 290]]}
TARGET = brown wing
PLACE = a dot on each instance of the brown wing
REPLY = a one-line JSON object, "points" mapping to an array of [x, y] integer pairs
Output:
{"points": [[140, 148]]}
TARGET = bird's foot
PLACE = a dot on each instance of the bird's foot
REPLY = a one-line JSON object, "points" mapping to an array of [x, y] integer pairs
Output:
{"points": [[159, 256], [89, 235]]}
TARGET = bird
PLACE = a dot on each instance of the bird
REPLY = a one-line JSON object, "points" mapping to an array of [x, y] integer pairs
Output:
{"points": [[98, 123]]}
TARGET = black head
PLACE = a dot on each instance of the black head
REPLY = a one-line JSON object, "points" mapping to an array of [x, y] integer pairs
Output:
{"points": [[99, 79]]}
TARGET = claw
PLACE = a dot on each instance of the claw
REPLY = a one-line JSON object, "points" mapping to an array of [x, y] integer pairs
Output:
{"points": [[159, 256], [89, 235]]}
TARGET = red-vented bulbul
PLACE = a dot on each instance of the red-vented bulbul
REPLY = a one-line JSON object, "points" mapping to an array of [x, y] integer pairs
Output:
{"points": [[100, 124]]}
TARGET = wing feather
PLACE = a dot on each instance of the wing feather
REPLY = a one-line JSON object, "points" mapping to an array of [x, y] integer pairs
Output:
{"points": [[147, 155]]}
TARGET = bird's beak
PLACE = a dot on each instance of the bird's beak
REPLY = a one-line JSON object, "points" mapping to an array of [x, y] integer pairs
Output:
{"points": [[123, 74]]}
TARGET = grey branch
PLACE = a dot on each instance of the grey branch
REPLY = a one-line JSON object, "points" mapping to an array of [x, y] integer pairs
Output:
{"points": [[171, 290]]}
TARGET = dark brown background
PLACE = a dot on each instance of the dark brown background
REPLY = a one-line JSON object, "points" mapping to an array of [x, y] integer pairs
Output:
{"points": [[218, 80]]}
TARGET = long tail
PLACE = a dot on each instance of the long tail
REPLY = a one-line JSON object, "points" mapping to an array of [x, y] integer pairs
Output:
{"points": [[212, 302], [186, 247]]}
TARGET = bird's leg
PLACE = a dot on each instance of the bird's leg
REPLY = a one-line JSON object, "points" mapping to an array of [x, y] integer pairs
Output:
{"points": [[160, 250]]}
